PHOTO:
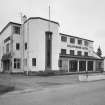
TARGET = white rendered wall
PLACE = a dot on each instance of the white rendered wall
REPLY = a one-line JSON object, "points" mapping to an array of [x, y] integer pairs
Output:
{"points": [[6, 33], [37, 29]]}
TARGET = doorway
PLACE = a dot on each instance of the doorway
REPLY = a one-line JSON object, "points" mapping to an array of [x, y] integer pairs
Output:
{"points": [[72, 66], [6, 65]]}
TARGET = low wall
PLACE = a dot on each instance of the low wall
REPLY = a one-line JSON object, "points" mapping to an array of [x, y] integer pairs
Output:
{"points": [[91, 77]]}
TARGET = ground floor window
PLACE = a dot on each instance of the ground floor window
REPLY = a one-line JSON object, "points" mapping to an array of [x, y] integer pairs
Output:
{"points": [[82, 65], [17, 63], [90, 65], [33, 61], [60, 63]]}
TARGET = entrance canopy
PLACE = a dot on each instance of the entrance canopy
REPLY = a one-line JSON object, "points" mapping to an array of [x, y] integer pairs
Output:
{"points": [[6, 57]]}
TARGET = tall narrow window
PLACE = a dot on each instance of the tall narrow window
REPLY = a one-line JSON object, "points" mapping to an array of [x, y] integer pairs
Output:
{"points": [[48, 50], [86, 43], [60, 63], [7, 48], [33, 61], [17, 46], [25, 46], [17, 63]]}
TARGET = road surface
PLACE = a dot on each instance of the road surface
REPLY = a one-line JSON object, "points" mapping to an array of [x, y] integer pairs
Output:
{"points": [[88, 93]]}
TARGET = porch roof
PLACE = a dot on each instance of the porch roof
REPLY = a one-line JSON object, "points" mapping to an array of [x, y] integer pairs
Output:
{"points": [[6, 57], [80, 57]]}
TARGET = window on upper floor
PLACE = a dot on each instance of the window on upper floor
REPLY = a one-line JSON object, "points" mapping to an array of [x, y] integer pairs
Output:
{"points": [[63, 38], [25, 46], [71, 52], [17, 46], [7, 48], [63, 51], [79, 53], [85, 53], [79, 41], [72, 40], [16, 29], [86, 43], [17, 63]]}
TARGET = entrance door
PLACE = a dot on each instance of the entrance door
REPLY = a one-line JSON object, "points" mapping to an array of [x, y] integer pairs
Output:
{"points": [[6, 65], [72, 66]]}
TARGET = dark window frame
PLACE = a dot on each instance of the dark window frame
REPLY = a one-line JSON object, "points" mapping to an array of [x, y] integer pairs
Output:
{"points": [[26, 46], [72, 40], [63, 38], [79, 41], [79, 53], [60, 63], [7, 48], [17, 63], [86, 43], [63, 51], [17, 46], [33, 61], [16, 30], [72, 52], [85, 53]]}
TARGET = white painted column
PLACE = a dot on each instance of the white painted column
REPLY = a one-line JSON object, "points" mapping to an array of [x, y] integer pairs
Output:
{"points": [[78, 65], [68, 65], [94, 65], [86, 66]]}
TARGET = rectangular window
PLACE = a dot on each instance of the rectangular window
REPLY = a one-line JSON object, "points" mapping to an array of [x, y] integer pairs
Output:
{"points": [[85, 53], [72, 40], [63, 38], [17, 46], [79, 53], [7, 48], [63, 51], [86, 43], [17, 63], [33, 61], [25, 46], [60, 63], [71, 52], [79, 41], [7, 39], [16, 29]]}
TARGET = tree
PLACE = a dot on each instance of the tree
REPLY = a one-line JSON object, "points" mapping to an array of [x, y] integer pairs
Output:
{"points": [[99, 52]]}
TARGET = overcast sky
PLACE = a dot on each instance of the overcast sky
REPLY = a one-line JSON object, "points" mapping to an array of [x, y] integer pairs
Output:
{"points": [[83, 18]]}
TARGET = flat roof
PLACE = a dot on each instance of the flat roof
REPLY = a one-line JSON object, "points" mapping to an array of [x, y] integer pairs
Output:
{"points": [[80, 57], [76, 37], [41, 19]]}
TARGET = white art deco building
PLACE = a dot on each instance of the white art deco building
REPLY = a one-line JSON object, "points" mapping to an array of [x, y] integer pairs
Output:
{"points": [[37, 45]]}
